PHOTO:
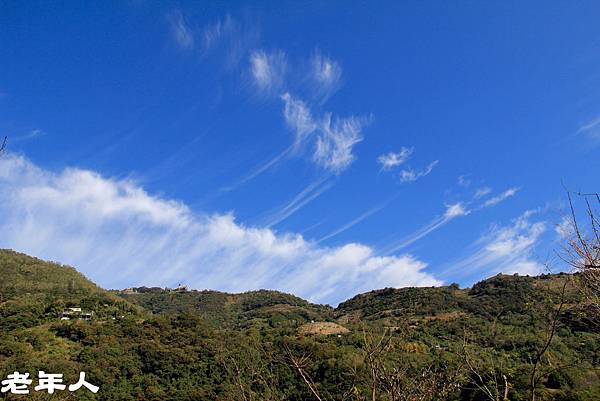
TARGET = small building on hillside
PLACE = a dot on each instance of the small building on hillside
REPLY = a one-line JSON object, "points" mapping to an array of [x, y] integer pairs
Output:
{"points": [[180, 288], [75, 313]]}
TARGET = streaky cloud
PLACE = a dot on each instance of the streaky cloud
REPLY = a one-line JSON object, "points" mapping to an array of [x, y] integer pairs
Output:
{"points": [[481, 192], [411, 175], [336, 141], [394, 159], [591, 129], [452, 211], [303, 198], [268, 70], [326, 76], [259, 170], [181, 30], [463, 181], [234, 38], [219, 30], [298, 118], [502, 249], [335, 137], [500, 198], [358, 219]]}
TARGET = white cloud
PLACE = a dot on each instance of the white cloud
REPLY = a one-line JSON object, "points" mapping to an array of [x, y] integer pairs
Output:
{"points": [[303, 198], [268, 70], [356, 220], [181, 30], [32, 134], [481, 192], [455, 210], [232, 37], [565, 228], [503, 249], [326, 75], [335, 137], [264, 166], [411, 175], [499, 198], [336, 141], [298, 117], [463, 181], [217, 31], [452, 211], [119, 235], [391, 160], [591, 129], [408, 175]]}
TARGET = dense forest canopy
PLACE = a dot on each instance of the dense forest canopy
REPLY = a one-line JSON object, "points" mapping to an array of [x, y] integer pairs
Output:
{"points": [[179, 344]]}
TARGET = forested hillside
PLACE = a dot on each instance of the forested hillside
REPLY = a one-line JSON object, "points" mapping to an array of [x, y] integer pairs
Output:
{"points": [[229, 310], [443, 343]]}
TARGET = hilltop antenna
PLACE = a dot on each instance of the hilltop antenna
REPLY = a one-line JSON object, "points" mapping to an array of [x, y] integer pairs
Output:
{"points": [[3, 146]]}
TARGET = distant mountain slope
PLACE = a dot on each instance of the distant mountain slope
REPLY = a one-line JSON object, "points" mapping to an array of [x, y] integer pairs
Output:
{"points": [[219, 308], [22, 274], [33, 291], [499, 294], [512, 299]]}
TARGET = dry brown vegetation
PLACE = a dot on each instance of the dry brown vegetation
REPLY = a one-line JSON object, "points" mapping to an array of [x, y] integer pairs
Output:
{"points": [[322, 328]]}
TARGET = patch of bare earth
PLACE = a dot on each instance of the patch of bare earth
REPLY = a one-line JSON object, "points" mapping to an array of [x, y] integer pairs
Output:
{"points": [[322, 328]]}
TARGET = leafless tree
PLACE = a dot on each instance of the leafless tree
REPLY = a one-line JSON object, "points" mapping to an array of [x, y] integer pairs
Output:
{"points": [[581, 251], [300, 364], [398, 381], [487, 376], [381, 378], [251, 372], [582, 248], [549, 336]]}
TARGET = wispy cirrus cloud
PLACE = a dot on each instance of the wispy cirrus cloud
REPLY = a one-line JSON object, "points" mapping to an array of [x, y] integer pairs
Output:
{"points": [[481, 192], [500, 198], [452, 211], [181, 30], [394, 159], [391, 160], [259, 169], [336, 142], [218, 31], [591, 129], [119, 235], [268, 70], [233, 36], [335, 137], [412, 175], [29, 135], [325, 75], [303, 198], [503, 249], [463, 181], [358, 219], [298, 118]]}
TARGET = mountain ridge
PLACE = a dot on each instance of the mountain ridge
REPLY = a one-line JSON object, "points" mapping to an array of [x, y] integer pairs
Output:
{"points": [[156, 343]]}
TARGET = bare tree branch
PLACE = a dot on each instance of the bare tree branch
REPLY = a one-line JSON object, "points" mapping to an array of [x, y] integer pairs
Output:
{"points": [[3, 147], [538, 357]]}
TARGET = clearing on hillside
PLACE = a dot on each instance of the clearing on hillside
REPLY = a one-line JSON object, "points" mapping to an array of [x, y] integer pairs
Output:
{"points": [[323, 328]]}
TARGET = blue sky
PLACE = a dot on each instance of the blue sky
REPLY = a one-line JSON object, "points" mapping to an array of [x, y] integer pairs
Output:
{"points": [[316, 148]]}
